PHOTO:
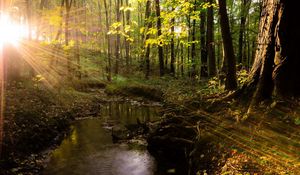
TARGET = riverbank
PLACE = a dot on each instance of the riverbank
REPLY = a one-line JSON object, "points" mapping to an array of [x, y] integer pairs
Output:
{"points": [[215, 136], [37, 118], [207, 137]]}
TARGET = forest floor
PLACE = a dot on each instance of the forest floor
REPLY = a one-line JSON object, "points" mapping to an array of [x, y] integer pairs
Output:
{"points": [[216, 137], [210, 136]]}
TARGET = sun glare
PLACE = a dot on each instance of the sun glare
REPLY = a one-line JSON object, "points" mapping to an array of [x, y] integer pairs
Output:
{"points": [[10, 31]]}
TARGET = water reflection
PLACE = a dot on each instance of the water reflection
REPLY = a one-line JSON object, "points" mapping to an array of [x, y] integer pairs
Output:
{"points": [[90, 150], [126, 114]]}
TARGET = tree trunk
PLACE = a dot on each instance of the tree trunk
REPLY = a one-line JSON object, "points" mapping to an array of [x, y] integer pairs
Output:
{"points": [[245, 6], [108, 67], [68, 9], [67, 33], [77, 44], [127, 42], [160, 48], [59, 32], [182, 60], [193, 51], [204, 69], [210, 41], [276, 65], [148, 24], [287, 55], [230, 83], [117, 51], [172, 64]]}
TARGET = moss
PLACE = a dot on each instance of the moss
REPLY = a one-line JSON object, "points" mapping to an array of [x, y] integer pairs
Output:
{"points": [[140, 90], [85, 84]]}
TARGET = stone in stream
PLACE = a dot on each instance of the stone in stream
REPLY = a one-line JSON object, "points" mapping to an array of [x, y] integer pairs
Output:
{"points": [[126, 132], [120, 132]]}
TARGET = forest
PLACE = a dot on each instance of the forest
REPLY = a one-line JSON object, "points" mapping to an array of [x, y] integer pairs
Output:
{"points": [[149, 87]]}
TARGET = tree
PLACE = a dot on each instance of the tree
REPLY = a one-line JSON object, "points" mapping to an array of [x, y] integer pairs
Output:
{"points": [[276, 66], [172, 64], [193, 51], [68, 9], [204, 69], [245, 6], [68, 4], [127, 42], [108, 67], [210, 41], [117, 49], [159, 34], [77, 42], [229, 57], [148, 25]]}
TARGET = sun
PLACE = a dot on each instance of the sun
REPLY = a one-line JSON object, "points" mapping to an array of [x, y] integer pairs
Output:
{"points": [[10, 31]]}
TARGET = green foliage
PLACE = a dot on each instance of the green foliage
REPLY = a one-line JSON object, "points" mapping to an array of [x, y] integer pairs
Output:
{"points": [[242, 76]]}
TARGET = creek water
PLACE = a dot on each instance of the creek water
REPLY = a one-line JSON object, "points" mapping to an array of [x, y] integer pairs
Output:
{"points": [[89, 149]]}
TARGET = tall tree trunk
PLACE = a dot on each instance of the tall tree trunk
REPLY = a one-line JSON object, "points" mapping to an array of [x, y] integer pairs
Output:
{"points": [[148, 25], [108, 67], [287, 56], [276, 64], [58, 34], [193, 51], [101, 40], [245, 6], [118, 43], [210, 41], [67, 33], [231, 82], [159, 33], [204, 69], [77, 44], [67, 20], [127, 42], [166, 52], [172, 64], [182, 60]]}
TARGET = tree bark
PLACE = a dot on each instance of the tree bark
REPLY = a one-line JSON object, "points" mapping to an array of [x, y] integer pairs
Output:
{"points": [[108, 67], [231, 82], [276, 65], [193, 49], [287, 56], [172, 64], [210, 41], [159, 33], [77, 43], [204, 69], [245, 6], [117, 51], [148, 24], [127, 42], [67, 33]]}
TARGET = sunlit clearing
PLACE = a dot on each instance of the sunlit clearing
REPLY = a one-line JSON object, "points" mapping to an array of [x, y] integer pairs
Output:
{"points": [[10, 31]]}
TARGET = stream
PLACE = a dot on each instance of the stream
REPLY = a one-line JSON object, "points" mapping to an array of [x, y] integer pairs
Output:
{"points": [[89, 149]]}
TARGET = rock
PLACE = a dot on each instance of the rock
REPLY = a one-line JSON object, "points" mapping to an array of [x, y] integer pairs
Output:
{"points": [[120, 132]]}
